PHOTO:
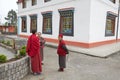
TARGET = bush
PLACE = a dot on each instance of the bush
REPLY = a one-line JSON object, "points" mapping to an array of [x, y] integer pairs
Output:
{"points": [[3, 41], [3, 58], [22, 52], [8, 43], [23, 47], [17, 56]]}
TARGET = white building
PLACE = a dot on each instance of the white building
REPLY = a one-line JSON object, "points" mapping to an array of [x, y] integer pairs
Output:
{"points": [[84, 23]]}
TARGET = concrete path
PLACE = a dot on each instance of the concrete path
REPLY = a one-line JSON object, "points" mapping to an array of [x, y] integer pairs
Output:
{"points": [[6, 52], [79, 67], [100, 51]]}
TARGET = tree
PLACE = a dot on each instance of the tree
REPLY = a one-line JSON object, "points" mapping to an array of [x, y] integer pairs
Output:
{"points": [[12, 18]]}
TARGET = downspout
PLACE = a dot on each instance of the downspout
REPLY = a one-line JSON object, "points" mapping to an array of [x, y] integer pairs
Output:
{"points": [[118, 20]]}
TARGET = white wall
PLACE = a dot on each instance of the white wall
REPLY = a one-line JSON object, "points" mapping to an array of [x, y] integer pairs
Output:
{"points": [[98, 13], [81, 18]]}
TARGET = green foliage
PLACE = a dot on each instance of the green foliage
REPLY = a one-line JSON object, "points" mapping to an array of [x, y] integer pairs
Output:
{"points": [[23, 47], [3, 58], [22, 52], [8, 43], [3, 41], [17, 56], [12, 17]]}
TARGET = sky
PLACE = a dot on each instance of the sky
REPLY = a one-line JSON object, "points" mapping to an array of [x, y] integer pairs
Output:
{"points": [[5, 7]]}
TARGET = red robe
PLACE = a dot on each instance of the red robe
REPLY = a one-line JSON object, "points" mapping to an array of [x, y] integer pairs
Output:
{"points": [[60, 50], [33, 50]]}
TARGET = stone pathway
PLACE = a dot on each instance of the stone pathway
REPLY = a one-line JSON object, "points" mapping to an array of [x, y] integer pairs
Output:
{"points": [[79, 67], [6, 52]]}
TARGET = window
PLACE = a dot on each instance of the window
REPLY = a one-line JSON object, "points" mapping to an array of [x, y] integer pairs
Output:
{"points": [[33, 24], [24, 25], [34, 2], [47, 23], [113, 1], [66, 22], [46, 0], [24, 4], [110, 24]]}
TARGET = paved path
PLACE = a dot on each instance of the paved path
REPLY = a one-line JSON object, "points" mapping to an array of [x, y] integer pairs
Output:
{"points": [[100, 51], [6, 52], [79, 67]]}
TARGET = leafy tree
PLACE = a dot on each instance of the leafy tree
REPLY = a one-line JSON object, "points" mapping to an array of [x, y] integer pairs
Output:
{"points": [[6, 24], [12, 18]]}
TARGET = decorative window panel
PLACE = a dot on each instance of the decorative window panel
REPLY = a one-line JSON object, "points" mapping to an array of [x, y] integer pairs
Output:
{"points": [[113, 1], [34, 2], [33, 25], [46, 0], [24, 24], [24, 3], [47, 23], [110, 24], [66, 22]]}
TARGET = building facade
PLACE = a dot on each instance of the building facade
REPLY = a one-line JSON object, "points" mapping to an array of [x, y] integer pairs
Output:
{"points": [[84, 23]]}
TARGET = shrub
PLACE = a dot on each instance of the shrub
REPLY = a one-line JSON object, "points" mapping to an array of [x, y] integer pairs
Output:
{"points": [[22, 52], [17, 56], [3, 58], [3, 41], [23, 47], [8, 43]]}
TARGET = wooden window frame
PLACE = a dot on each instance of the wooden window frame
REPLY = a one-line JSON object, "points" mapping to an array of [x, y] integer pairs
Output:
{"points": [[34, 2], [114, 1], [46, 16], [67, 14], [32, 18], [47, 0], [24, 24], [112, 17], [24, 4]]}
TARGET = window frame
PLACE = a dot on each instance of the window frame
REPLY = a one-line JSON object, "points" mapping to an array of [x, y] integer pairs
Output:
{"points": [[24, 24], [47, 15], [24, 4], [33, 17], [34, 2], [63, 14], [47, 0], [114, 1], [110, 16]]}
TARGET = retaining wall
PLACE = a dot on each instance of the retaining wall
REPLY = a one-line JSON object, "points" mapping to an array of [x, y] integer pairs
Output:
{"points": [[15, 70]]}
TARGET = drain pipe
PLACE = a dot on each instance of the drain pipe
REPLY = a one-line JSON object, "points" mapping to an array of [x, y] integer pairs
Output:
{"points": [[118, 20]]}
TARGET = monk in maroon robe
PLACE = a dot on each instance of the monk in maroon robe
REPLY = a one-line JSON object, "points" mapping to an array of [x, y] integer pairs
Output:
{"points": [[62, 51], [33, 50]]}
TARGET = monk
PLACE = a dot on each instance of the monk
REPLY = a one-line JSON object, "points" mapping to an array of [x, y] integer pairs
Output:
{"points": [[33, 50], [62, 51], [42, 44]]}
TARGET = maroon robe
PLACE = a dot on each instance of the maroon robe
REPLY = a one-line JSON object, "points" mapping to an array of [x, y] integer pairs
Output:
{"points": [[62, 54], [60, 50], [33, 50]]}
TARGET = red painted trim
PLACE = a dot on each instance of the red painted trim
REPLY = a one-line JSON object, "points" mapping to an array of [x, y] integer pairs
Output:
{"points": [[79, 44], [95, 44], [24, 36]]}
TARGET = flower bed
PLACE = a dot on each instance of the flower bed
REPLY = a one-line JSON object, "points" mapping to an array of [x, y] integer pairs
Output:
{"points": [[18, 67]]}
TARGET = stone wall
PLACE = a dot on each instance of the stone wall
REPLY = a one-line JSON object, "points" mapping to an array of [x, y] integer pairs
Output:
{"points": [[17, 42], [15, 70]]}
